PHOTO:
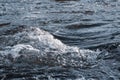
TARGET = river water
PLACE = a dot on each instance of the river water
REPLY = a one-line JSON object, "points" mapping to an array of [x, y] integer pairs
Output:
{"points": [[60, 39]]}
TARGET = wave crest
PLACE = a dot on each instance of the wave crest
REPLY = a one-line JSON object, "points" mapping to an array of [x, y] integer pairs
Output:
{"points": [[36, 46]]}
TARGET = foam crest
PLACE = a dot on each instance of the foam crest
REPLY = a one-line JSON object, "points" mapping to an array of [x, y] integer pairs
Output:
{"points": [[34, 45]]}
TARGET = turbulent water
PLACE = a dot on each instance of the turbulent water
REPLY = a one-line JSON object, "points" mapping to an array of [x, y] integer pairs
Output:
{"points": [[60, 39]]}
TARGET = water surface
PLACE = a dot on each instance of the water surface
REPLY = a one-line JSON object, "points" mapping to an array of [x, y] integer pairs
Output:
{"points": [[59, 39]]}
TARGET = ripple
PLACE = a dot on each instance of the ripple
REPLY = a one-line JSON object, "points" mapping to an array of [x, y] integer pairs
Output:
{"points": [[79, 26]]}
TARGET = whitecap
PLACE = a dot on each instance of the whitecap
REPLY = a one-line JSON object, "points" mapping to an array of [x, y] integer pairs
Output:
{"points": [[43, 48]]}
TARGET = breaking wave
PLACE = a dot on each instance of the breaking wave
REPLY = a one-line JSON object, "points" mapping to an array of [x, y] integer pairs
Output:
{"points": [[36, 46]]}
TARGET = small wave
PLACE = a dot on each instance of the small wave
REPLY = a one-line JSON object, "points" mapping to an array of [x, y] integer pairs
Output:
{"points": [[78, 25], [36, 46]]}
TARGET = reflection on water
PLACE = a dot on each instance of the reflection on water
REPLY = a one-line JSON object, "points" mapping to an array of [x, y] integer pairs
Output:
{"points": [[44, 39]]}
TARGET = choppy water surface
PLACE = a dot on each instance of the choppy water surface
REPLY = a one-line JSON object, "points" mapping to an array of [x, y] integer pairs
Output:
{"points": [[59, 39]]}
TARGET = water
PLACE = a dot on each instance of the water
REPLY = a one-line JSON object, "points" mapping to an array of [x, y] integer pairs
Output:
{"points": [[59, 40]]}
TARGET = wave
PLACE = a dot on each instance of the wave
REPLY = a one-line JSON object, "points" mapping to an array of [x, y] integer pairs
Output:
{"points": [[36, 46]]}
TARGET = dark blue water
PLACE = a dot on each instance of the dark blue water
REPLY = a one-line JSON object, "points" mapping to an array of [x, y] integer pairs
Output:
{"points": [[59, 40]]}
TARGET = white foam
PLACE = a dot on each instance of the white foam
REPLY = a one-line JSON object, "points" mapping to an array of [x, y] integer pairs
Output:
{"points": [[15, 50], [34, 41]]}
